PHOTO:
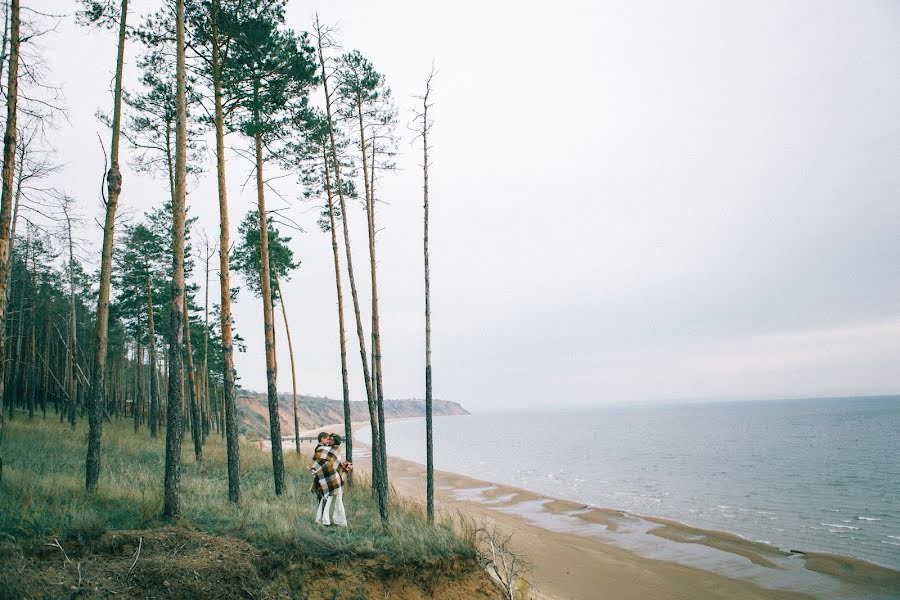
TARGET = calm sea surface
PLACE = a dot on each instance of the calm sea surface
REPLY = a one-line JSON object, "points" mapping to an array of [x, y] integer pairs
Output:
{"points": [[811, 475]]}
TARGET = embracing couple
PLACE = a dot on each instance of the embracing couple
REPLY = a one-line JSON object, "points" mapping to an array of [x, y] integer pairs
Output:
{"points": [[329, 471]]}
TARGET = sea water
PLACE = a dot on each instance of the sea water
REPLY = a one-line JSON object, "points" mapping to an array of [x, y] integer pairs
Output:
{"points": [[812, 475]]}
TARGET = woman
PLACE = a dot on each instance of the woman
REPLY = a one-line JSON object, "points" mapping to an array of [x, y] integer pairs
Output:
{"points": [[330, 470]]}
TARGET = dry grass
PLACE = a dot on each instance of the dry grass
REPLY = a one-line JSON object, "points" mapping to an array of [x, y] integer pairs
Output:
{"points": [[42, 496]]}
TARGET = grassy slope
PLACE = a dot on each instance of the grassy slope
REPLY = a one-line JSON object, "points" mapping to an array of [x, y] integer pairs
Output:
{"points": [[42, 497]]}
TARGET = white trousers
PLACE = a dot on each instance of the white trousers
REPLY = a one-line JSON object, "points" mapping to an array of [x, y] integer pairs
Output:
{"points": [[324, 510]]}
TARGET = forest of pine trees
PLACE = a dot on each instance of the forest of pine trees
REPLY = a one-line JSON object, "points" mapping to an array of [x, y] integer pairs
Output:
{"points": [[134, 329]]}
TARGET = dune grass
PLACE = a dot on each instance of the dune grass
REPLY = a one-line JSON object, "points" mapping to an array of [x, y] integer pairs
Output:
{"points": [[42, 496]]}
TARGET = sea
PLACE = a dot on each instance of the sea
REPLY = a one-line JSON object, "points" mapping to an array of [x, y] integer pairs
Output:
{"points": [[815, 475]]}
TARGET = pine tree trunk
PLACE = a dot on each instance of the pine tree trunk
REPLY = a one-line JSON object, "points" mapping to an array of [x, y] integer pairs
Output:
{"points": [[9, 157], [62, 394], [269, 324], [370, 392], [208, 405], [429, 446], [45, 378], [60, 381], [380, 448], [196, 429], [136, 404], [32, 358], [373, 421], [151, 347], [5, 42], [222, 415], [8, 367], [118, 389], [96, 400], [376, 344], [71, 356], [20, 334], [228, 394], [287, 330], [345, 386], [13, 392], [171, 491]]}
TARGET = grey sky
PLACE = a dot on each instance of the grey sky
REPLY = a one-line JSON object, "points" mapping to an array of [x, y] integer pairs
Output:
{"points": [[631, 200]]}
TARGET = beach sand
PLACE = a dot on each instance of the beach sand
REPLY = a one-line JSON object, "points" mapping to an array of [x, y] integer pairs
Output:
{"points": [[568, 565], [587, 552]]}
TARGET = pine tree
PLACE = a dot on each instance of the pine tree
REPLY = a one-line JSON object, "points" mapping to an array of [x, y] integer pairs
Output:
{"points": [[267, 77], [311, 153], [104, 14], [171, 491], [246, 258], [9, 156], [424, 130], [366, 99], [322, 41]]}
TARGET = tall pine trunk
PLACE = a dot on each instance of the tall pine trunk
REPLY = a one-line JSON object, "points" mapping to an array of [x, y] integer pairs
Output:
{"points": [[287, 331], [345, 386], [171, 492], [72, 368], [373, 420], [208, 405], [137, 403], [20, 333], [13, 392], [429, 446], [8, 175], [97, 392], [381, 485], [269, 322], [45, 360], [32, 357], [5, 41], [151, 346], [196, 428], [17, 176], [228, 395]]}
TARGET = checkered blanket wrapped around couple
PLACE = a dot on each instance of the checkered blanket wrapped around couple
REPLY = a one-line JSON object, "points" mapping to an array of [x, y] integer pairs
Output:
{"points": [[328, 476]]}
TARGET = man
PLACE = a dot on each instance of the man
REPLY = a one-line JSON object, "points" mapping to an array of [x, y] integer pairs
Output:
{"points": [[329, 468]]}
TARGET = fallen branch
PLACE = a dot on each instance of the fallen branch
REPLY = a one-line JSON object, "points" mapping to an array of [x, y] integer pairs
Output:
{"points": [[56, 544], [136, 556]]}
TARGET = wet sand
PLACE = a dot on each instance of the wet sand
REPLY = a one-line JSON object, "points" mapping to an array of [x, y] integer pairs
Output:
{"points": [[569, 564], [580, 551]]}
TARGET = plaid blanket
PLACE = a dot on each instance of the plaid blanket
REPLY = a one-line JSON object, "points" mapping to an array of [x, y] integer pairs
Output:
{"points": [[328, 473], [318, 454]]}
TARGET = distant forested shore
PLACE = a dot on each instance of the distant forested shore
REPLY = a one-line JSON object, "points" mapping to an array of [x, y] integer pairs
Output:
{"points": [[316, 411]]}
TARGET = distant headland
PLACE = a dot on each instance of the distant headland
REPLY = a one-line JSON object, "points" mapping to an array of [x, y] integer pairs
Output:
{"points": [[316, 411]]}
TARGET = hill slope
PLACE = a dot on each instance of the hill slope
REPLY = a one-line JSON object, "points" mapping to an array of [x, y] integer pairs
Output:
{"points": [[314, 411], [59, 541]]}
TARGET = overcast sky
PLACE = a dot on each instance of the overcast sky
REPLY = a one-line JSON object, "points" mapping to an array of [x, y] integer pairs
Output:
{"points": [[631, 201]]}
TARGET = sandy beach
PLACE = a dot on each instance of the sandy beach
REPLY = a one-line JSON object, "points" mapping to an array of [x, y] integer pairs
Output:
{"points": [[566, 564], [580, 551]]}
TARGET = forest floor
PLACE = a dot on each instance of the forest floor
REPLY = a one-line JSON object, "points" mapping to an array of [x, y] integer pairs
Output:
{"points": [[57, 541]]}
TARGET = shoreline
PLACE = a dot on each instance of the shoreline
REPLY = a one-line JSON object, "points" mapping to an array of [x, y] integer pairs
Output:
{"points": [[579, 548]]}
